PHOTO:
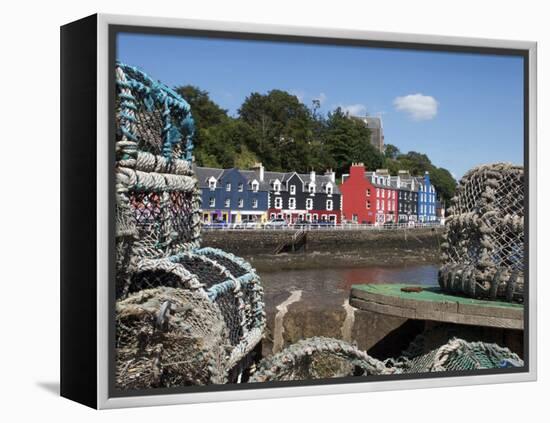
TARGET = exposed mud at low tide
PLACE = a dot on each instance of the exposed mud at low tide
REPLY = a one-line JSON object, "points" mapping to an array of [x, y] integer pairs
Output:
{"points": [[342, 259]]}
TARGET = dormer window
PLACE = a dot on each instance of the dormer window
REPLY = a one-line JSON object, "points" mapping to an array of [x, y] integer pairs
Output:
{"points": [[293, 190], [255, 185], [311, 188], [328, 189], [212, 183], [277, 186]]}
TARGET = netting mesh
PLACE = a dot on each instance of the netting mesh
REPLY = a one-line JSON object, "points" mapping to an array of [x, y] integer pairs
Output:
{"points": [[158, 226], [322, 358], [483, 252], [169, 337]]}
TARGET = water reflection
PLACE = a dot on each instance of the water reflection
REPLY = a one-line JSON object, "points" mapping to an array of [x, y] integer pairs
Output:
{"points": [[339, 281]]}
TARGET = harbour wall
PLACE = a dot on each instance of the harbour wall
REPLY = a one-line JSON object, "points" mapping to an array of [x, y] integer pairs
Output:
{"points": [[253, 242]]}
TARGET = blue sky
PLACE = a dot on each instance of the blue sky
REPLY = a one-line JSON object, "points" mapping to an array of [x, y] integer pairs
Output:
{"points": [[460, 109]]}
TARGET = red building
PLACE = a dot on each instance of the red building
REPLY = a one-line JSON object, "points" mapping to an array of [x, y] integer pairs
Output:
{"points": [[368, 197]]}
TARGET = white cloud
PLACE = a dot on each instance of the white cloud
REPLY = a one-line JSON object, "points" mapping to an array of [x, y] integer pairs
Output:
{"points": [[417, 106], [354, 109]]}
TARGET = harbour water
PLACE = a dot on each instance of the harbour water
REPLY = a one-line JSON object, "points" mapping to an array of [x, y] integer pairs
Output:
{"points": [[314, 302]]}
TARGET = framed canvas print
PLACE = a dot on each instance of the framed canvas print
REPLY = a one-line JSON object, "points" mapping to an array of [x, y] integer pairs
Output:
{"points": [[254, 211]]}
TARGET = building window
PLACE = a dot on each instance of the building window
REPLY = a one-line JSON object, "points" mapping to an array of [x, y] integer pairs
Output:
{"points": [[293, 190], [228, 186], [311, 188], [212, 184], [315, 217], [227, 203], [393, 195], [377, 193], [329, 189], [255, 203], [377, 204], [278, 203], [255, 186], [383, 193], [309, 204], [368, 192], [329, 204], [291, 203], [241, 203], [212, 202], [241, 187]]}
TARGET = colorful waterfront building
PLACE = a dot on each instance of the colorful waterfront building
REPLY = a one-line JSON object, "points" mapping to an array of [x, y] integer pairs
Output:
{"points": [[368, 197], [304, 197], [231, 195], [407, 196], [385, 195], [426, 199]]}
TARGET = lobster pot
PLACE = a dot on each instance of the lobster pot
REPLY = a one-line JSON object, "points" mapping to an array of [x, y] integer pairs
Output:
{"points": [[321, 358], [483, 251], [158, 221], [226, 280], [169, 337], [318, 358], [157, 196]]}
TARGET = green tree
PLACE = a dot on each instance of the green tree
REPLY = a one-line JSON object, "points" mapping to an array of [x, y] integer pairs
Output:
{"points": [[391, 151], [206, 112], [347, 140], [283, 129]]}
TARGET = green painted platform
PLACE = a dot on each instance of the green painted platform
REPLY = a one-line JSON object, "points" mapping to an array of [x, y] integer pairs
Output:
{"points": [[432, 304]]}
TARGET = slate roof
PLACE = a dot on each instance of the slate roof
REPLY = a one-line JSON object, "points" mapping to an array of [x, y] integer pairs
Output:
{"points": [[203, 174]]}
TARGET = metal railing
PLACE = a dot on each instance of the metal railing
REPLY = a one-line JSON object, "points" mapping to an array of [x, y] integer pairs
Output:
{"points": [[321, 226]]}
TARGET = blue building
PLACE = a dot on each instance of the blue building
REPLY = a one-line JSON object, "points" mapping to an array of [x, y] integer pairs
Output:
{"points": [[426, 199], [232, 195]]}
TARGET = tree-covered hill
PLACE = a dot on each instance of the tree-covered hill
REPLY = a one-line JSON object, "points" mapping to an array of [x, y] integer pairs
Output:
{"points": [[284, 134]]}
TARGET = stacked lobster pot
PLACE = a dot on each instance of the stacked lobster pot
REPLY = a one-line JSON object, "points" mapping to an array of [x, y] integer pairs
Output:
{"points": [[483, 253], [324, 358], [171, 292]]}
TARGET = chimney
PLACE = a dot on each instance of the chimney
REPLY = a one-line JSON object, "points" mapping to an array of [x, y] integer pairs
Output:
{"points": [[331, 174], [357, 170], [312, 176], [404, 173], [259, 168]]}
